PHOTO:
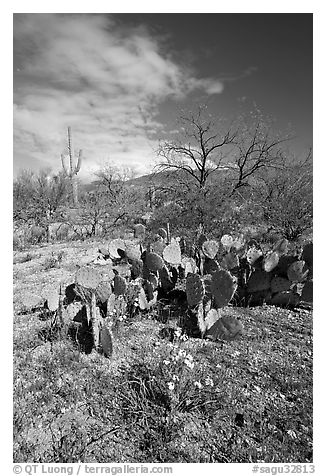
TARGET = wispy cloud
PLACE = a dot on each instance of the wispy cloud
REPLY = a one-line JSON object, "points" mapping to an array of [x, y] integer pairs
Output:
{"points": [[107, 84]]}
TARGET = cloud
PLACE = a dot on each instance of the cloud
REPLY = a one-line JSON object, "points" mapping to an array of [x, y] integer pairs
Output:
{"points": [[107, 83]]}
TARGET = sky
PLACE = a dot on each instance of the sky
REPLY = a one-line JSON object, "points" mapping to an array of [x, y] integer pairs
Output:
{"points": [[120, 81]]}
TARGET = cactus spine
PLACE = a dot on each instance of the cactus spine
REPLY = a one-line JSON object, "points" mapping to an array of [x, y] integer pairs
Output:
{"points": [[72, 170]]}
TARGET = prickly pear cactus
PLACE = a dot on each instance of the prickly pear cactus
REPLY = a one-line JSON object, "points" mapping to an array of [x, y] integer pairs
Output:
{"points": [[253, 255], [153, 279], [230, 261], [212, 316], [270, 261], [258, 281], [285, 299], [139, 230], [201, 240], [226, 328], [307, 256], [279, 284], [297, 271], [116, 245], [94, 317], [210, 248], [119, 285], [281, 247], [74, 311], [158, 247], [223, 287], [103, 291], [238, 242], [154, 262], [189, 265], [227, 241], [106, 341], [307, 292], [136, 268], [88, 277], [283, 265], [209, 266], [132, 252], [52, 300], [172, 254], [163, 233], [165, 279], [145, 303], [195, 289]]}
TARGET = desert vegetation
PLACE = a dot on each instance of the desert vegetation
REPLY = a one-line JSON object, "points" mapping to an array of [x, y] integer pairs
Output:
{"points": [[167, 318]]}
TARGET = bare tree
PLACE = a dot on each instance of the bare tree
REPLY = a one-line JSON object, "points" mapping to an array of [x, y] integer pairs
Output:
{"points": [[39, 198], [256, 148], [209, 166], [286, 199], [201, 150]]}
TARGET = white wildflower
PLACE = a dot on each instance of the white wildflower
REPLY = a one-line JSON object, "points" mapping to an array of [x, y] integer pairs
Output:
{"points": [[209, 381], [178, 332], [175, 378], [189, 363], [198, 384], [171, 385], [166, 362], [292, 434]]}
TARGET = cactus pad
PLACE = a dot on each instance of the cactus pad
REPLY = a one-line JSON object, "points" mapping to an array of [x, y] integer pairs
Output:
{"points": [[270, 261], [163, 233], [212, 316], [154, 262], [259, 281], [136, 268], [239, 242], [285, 299], [227, 241], [307, 292], [103, 291], [201, 240], [230, 261], [210, 248], [195, 289], [52, 300], [223, 287], [226, 328], [253, 254], [119, 285], [165, 278], [189, 265], [132, 252], [153, 279], [158, 247], [297, 271], [116, 245], [139, 230], [281, 247], [74, 311], [307, 255], [279, 284], [172, 254], [106, 341], [209, 266], [88, 278]]}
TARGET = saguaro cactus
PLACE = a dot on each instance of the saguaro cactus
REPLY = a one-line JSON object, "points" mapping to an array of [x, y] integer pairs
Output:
{"points": [[72, 169]]}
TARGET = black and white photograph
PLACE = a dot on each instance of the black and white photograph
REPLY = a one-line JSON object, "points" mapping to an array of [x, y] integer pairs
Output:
{"points": [[162, 240]]}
